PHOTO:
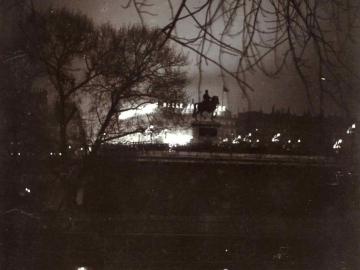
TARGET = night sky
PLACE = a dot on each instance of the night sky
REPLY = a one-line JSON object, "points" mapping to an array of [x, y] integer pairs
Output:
{"points": [[283, 92]]}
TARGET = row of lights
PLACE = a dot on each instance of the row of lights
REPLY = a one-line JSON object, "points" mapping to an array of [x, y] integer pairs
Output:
{"points": [[338, 143], [247, 138], [276, 138], [53, 153], [69, 147], [220, 108], [175, 105]]}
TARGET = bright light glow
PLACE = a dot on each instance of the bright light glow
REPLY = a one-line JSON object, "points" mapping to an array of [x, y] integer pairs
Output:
{"points": [[27, 190], [149, 130], [299, 141], [169, 136], [247, 138], [142, 110], [237, 140], [81, 148], [60, 154], [90, 148], [276, 137], [257, 140], [220, 109], [69, 146], [19, 154], [225, 140], [177, 138], [82, 268], [351, 129], [51, 153], [323, 78], [289, 141], [337, 144]]}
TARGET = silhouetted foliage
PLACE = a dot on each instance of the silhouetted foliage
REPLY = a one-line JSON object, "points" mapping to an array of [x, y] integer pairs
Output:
{"points": [[26, 123], [58, 40], [313, 38], [135, 69]]}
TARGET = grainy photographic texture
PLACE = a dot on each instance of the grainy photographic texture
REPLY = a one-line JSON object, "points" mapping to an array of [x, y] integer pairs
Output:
{"points": [[179, 134]]}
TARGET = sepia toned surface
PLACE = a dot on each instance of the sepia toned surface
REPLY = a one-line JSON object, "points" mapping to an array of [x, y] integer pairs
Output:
{"points": [[179, 134]]}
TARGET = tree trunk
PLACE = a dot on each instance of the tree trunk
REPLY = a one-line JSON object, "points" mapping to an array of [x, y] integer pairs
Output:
{"points": [[62, 126]]}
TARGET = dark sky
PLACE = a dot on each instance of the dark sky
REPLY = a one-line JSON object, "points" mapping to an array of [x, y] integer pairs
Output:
{"points": [[283, 92]]}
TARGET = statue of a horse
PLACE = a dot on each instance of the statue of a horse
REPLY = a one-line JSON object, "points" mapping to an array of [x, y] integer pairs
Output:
{"points": [[209, 107]]}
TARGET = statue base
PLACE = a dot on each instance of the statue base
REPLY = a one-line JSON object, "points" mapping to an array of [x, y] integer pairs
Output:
{"points": [[205, 131]]}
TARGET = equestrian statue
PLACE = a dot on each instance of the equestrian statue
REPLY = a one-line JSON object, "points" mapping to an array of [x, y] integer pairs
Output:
{"points": [[209, 104]]}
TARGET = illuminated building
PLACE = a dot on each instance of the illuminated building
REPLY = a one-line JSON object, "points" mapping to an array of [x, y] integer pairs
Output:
{"points": [[175, 132]]}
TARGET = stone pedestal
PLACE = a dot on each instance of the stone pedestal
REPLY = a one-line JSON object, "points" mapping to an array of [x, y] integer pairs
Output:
{"points": [[205, 131]]}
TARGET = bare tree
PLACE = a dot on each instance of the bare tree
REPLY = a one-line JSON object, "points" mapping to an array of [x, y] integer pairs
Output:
{"points": [[59, 40], [310, 36], [26, 124], [137, 70]]}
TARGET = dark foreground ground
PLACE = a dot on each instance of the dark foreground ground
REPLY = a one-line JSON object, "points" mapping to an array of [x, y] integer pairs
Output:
{"points": [[195, 216]]}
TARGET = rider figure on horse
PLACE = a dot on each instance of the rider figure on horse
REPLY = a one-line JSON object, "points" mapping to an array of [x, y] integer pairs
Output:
{"points": [[208, 104], [206, 99]]}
